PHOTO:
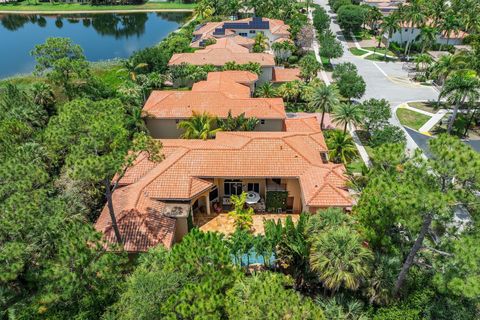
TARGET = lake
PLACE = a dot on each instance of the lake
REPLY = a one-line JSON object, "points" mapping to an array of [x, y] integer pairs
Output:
{"points": [[102, 36]]}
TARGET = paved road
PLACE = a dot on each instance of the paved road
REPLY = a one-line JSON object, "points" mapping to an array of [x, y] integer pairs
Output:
{"points": [[385, 80]]}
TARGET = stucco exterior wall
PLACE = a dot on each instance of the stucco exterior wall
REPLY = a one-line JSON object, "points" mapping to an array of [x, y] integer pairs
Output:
{"points": [[293, 188], [167, 128], [412, 34], [266, 75], [181, 229], [163, 128]]}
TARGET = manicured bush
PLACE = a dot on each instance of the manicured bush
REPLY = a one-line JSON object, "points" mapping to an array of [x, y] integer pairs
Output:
{"points": [[351, 17], [321, 20], [337, 4], [388, 134]]}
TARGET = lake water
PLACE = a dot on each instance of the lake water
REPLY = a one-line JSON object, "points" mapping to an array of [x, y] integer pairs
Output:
{"points": [[102, 36]]}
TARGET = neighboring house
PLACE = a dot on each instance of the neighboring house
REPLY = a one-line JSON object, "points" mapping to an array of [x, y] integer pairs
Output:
{"points": [[281, 75], [385, 6], [409, 33], [246, 28], [228, 50], [158, 203], [221, 93]]}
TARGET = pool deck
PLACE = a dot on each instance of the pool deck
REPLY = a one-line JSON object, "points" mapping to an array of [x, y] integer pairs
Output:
{"points": [[224, 224]]}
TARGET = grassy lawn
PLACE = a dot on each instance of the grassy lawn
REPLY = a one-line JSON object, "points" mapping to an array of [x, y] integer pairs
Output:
{"points": [[357, 52], [411, 118], [362, 35], [376, 57], [428, 106], [46, 6], [380, 50], [327, 66]]}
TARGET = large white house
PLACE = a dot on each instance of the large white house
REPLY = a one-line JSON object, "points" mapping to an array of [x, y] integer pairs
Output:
{"points": [[409, 33]]}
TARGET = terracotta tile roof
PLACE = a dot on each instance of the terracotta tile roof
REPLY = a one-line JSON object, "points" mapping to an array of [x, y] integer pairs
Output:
{"points": [[285, 75], [234, 84], [190, 165], [220, 53], [305, 124], [182, 104], [230, 44], [207, 30], [220, 93], [243, 77]]}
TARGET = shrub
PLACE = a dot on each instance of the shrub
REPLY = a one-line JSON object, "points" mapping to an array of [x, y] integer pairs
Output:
{"points": [[293, 59], [337, 4], [351, 17], [321, 20], [388, 134]]}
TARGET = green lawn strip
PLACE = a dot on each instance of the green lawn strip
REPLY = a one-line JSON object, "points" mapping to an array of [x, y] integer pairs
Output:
{"points": [[86, 7], [358, 52], [327, 66], [411, 119], [428, 106], [380, 50], [377, 57]]}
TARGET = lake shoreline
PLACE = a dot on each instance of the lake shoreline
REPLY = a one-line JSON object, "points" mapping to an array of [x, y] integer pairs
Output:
{"points": [[80, 8], [92, 11]]}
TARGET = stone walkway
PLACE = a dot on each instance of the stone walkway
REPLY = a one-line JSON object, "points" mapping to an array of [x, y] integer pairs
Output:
{"points": [[433, 121]]}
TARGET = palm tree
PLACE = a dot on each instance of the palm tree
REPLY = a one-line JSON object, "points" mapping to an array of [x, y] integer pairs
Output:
{"points": [[347, 113], [423, 61], [428, 36], [261, 42], [340, 259], [341, 147], [448, 26], [290, 91], [324, 99], [447, 64], [203, 9], [437, 9], [132, 68], [199, 126], [389, 25], [43, 95], [266, 90], [415, 18], [458, 89]]}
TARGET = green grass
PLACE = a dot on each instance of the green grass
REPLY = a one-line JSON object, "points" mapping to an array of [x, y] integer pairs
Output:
{"points": [[376, 57], [428, 106], [362, 35], [380, 50], [27, 6], [113, 75], [411, 118], [357, 52], [327, 66]]}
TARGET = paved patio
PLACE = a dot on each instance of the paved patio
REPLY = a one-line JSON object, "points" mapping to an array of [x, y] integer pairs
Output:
{"points": [[224, 224]]}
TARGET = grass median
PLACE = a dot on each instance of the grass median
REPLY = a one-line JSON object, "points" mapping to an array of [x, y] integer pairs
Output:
{"points": [[411, 119]]}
